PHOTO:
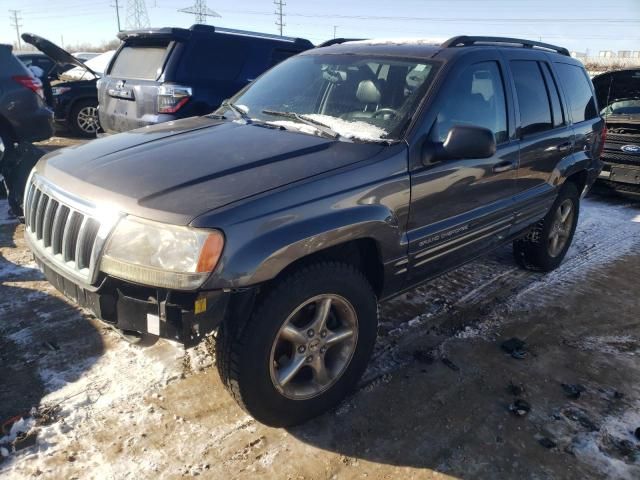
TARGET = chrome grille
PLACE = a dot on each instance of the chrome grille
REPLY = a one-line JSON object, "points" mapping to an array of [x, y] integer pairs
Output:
{"points": [[64, 230]]}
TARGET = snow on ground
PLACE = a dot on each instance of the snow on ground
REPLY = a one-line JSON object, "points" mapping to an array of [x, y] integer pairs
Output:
{"points": [[118, 379]]}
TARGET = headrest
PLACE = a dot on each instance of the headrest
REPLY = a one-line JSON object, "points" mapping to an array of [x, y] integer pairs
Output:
{"points": [[368, 92]]}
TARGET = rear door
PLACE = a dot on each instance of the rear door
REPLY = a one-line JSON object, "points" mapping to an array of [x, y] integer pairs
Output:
{"points": [[461, 208], [543, 127], [128, 93]]}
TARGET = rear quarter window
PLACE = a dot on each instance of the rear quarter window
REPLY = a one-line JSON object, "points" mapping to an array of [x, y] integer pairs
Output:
{"points": [[218, 59], [577, 88], [143, 62]]}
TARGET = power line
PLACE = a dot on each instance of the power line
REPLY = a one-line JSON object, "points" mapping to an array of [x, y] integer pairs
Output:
{"points": [[279, 14], [137, 16], [201, 11], [15, 22]]}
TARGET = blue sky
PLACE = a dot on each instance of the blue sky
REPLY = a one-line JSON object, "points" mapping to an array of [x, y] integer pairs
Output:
{"points": [[576, 24]]}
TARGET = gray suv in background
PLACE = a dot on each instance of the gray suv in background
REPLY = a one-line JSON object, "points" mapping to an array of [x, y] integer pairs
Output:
{"points": [[342, 177], [165, 74]]}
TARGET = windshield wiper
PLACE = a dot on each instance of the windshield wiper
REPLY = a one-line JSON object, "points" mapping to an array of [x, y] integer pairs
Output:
{"points": [[239, 111], [321, 127]]}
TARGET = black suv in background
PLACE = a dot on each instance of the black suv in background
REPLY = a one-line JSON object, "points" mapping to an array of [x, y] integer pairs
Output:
{"points": [[24, 118], [165, 74], [342, 177], [619, 98]]}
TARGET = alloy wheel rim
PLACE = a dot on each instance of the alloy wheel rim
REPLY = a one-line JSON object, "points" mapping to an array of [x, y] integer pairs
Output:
{"points": [[561, 228], [88, 119], [314, 347]]}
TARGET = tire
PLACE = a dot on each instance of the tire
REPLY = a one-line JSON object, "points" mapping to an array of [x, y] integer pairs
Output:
{"points": [[246, 354], [536, 251], [79, 121]]}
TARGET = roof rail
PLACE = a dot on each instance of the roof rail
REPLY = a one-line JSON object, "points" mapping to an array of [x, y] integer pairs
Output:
{"points": [[465, 41], [337, 41], [233, 31]]}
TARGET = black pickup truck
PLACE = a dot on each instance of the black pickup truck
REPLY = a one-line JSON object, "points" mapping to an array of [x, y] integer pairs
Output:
{"points": [[340, 178], [618, 93]]}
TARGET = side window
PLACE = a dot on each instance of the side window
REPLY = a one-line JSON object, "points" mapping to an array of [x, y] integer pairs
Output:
{"points": [[535, 108], [552, 89], [219, 59], [476, 98], [578, 91]]}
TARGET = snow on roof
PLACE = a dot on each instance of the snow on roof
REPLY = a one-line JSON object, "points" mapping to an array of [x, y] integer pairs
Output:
{"points": [[400, 41]]}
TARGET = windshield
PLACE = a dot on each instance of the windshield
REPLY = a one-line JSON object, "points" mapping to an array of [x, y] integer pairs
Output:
{"points": [[355, 97], [623, 107]]}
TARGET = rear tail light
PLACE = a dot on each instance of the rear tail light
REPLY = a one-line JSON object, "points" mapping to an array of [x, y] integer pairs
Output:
{"points": [[603, 138], [171, 98], [32, 83]]}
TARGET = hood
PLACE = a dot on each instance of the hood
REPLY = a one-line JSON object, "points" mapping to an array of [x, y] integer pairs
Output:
{"points": [[54, 52], [619, 85], [176, 171]]}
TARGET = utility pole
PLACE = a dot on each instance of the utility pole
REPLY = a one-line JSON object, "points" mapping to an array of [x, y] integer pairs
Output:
{"points": [[137, 16], [15, 22], [201, 11], [117, 7], [279, 14]]}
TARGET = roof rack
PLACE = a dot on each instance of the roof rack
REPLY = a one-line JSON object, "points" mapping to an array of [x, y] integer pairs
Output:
{"points": [[336, 41], [465, 41], [183, 33]]}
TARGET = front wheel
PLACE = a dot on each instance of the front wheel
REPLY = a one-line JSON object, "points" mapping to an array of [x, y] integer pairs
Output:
{"points": [[304, 347], [546, 245]]}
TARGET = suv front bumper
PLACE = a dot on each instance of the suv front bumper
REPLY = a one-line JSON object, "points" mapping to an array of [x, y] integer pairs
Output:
{"points": [[185, 317]]}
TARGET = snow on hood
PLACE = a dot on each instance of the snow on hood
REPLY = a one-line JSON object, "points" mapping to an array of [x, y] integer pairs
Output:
{"points": [[358, 130], [97, 64]]}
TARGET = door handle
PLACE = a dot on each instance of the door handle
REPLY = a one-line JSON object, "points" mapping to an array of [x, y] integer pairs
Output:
{"points": [[503, 166], [564, 147]]}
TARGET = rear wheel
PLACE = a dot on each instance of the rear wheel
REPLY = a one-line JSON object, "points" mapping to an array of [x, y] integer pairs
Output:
{"points": [[546, 245], [303, 348], [83, 118]]}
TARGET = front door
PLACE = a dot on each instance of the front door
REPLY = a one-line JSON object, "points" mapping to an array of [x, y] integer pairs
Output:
{"points": [[460, 208]]}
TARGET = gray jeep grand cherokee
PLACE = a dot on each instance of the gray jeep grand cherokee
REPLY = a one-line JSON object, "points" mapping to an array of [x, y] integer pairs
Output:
{"points": [[340, 178]]}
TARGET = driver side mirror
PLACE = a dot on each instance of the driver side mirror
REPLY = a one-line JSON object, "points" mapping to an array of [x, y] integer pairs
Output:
{"points": [[463, 141]]}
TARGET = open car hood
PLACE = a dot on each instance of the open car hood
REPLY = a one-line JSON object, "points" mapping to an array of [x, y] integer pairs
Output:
{"points": [[53, 51], [619, 85]]}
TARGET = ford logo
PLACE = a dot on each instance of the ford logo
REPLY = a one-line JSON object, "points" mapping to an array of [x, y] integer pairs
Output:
{"points": [[630, 148]]}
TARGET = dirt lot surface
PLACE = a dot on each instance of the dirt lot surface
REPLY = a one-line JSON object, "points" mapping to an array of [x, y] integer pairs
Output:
{"points": [[435, 402]]}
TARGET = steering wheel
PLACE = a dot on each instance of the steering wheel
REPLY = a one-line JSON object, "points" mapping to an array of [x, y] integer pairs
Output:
{"points": [[385, 111]]}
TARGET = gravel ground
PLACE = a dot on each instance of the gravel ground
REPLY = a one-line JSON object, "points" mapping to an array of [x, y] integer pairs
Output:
{"points": [[434, 402]]}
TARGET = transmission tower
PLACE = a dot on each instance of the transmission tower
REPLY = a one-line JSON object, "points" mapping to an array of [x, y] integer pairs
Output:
{"points": [[201, 11], [15, 23], [137, 16], [279, 14]]}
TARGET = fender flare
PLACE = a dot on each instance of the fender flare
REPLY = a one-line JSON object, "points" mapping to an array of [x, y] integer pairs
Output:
{"points": [[263, 256]]}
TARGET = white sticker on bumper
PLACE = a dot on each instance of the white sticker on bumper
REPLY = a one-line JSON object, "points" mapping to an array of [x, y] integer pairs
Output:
{"points": [[153, 324]]}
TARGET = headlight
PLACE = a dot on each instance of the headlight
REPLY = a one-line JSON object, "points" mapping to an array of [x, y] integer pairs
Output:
{"points": [[161, 255]]}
